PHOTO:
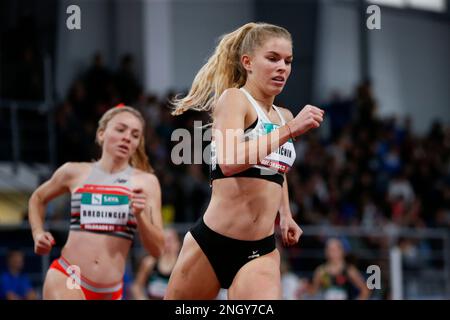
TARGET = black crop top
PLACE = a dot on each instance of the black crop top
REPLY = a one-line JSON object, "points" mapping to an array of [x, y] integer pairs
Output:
{"points": [[273, 166]]}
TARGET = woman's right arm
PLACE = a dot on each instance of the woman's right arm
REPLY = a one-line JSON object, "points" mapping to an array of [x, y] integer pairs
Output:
{"points": [[235, 155], [58, 184], [316, 281]]}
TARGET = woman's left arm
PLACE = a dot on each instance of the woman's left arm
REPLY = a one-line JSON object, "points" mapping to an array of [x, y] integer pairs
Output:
{"points": [[358, 281], [146, 205], [290, 231]]}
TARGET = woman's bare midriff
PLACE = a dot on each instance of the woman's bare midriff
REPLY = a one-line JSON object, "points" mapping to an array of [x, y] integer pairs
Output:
{"points": [[101, 258], [243, 208]]}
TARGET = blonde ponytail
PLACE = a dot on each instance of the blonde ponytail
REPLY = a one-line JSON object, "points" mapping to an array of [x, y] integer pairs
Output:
{"points": [[223, 69]]}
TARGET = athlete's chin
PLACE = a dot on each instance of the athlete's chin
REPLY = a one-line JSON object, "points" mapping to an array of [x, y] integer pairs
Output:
{"points": [[120, 155], [275, 90]]}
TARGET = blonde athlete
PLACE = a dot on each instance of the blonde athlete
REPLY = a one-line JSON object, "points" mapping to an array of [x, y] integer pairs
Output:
{"points": [[233, 245]]}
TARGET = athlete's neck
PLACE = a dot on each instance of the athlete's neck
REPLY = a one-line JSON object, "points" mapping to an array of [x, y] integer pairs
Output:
{"points": [[264, 101], [111, 165], [14, 271], [168, 259], [336, 264]]}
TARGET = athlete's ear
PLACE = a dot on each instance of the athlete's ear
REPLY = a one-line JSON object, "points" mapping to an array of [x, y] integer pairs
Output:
{"points": [[246, 62], [100, 135]]}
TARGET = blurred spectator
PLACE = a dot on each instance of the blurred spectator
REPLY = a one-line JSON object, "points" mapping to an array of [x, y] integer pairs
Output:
{"points": [[339, 113], [127, 293], [70, 134], [415, 254], [371, 216], [400, 197], [29, 75], [153, 275], [336, 279], [98, 81], [196, 192], [21, 62], [126, 81], [77, 98], [14, 284], [366, 105], [152, 111], [442, 219], [290, 282]]}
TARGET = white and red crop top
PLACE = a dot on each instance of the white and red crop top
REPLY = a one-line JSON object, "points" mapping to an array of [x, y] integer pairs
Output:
{"points": [[102, 204]]}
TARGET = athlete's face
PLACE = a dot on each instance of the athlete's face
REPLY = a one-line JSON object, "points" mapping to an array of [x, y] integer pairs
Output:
{"points": [[122, 135], [15, 261], [270, 64], [172, 243], [334, 250]]}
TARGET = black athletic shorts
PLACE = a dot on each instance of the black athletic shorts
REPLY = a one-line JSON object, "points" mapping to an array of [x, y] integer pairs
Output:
{"points": [[228, 255]]}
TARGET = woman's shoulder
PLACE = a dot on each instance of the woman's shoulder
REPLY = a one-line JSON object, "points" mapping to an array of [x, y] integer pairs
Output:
{"points": [[70, 173], [232, 100], [322, 269], [74, 168], [350, 267], [232, 97], [233, 93], [145, 177]]}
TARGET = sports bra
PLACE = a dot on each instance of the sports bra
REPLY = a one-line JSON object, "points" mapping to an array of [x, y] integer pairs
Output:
{"points": [[336, 287], [274, 165], [102, 204]]}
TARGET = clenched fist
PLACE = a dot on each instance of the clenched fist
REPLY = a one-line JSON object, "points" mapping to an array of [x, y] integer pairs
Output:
{"points": [[43, 243], [308, 118]]}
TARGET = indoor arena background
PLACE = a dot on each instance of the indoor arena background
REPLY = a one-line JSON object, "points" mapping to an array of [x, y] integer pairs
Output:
{"points": [[375, 175]]}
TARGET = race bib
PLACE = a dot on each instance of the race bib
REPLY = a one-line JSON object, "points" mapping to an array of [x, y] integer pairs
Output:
{"points": [[282, 159], [104, 210]]}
